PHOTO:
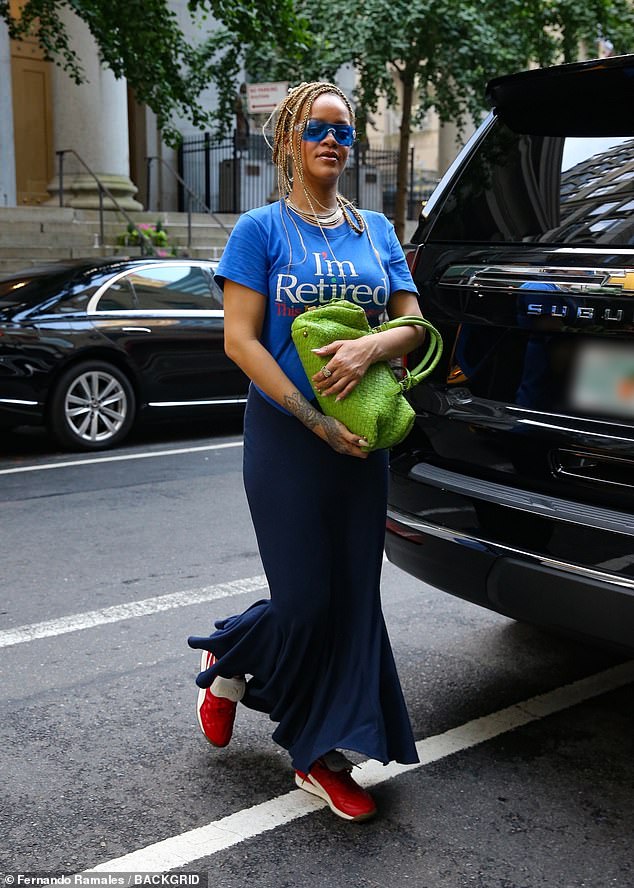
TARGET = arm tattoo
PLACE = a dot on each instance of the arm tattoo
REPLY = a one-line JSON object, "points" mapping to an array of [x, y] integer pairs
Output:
{"points": [[297, 404], [333, 435]]}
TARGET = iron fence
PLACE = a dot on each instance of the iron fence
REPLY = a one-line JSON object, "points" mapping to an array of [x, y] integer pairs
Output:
{"points": [[235, 174]]}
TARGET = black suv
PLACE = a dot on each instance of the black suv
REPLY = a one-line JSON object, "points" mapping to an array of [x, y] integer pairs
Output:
{"points": [[516, 488]]}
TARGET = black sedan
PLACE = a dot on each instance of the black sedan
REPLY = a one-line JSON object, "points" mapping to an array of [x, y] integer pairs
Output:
{"points": [[87, 346]]}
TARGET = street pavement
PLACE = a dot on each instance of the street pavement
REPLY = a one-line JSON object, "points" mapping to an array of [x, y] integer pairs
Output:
{"points": [[111, 560]]}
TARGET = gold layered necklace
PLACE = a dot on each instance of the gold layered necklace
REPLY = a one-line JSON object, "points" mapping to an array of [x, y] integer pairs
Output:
{"points": [[327, 220]]}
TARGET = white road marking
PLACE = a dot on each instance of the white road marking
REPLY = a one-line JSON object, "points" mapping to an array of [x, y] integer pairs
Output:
{"points": [[119, 458], [128, 611], [184, 849]]}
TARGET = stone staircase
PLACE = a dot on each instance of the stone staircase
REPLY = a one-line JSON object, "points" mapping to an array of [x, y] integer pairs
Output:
{"points": [[36, 235]]}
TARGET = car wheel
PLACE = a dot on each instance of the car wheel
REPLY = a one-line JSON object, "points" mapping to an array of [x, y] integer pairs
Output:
{"points": [[92, 406]]}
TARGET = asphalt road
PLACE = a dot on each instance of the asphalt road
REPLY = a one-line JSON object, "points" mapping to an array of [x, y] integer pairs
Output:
{"points": [[110, 561]]}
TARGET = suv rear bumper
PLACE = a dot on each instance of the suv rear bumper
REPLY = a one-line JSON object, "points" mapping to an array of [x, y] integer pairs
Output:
{"points": [[526, 585]]}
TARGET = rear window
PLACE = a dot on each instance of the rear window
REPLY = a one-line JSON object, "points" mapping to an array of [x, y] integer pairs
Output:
{"points": [[519, 187], [27, 290]]}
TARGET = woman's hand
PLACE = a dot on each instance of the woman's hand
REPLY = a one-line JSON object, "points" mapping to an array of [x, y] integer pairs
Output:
{"points": [[347, 360], [341, 438], [345, 363]]}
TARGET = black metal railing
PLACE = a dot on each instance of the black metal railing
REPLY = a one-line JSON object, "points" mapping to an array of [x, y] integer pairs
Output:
{"points": [[235, 174], [147, 248], [188, 197]]}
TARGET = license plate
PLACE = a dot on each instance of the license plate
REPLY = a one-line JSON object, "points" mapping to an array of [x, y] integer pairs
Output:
{"points": [[603, 379]]}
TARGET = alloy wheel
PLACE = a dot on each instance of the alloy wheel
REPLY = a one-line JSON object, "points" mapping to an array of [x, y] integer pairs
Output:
{"points": [[95, 406]]}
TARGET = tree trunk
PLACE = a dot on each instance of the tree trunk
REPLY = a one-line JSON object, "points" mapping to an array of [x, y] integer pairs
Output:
{"points": [[407, 79]]}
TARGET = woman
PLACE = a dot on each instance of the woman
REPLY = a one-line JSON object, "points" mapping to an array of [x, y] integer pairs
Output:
{"points": [[317, 653]]}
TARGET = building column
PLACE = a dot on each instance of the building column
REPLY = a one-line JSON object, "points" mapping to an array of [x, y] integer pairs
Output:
{"points": [[7, 149], [91, 119], [450, 141]]}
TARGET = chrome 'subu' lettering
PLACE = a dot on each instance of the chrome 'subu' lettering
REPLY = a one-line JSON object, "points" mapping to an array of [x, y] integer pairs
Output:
{"points": [[581, 312]]}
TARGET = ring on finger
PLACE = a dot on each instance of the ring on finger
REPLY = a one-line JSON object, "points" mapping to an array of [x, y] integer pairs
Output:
{"points": [[326, 372]]}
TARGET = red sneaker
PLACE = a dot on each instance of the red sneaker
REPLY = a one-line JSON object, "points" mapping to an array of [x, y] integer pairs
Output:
{"points": [[216, 708], [329, 778]]}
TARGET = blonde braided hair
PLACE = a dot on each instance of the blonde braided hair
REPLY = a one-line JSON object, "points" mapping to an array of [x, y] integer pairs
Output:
{"points": [[295, 110]]}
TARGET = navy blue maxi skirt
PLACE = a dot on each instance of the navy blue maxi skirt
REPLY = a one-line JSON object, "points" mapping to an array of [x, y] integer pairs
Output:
{"points": [[317, 651]]}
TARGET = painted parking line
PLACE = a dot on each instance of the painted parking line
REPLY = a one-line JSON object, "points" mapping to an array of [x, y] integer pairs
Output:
{"points": [[142, 608], [120, 457], [130, 610], [184, 849]]}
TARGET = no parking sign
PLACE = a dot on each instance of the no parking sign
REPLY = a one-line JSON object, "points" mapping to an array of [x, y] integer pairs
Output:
{"points": [[262, 98]]}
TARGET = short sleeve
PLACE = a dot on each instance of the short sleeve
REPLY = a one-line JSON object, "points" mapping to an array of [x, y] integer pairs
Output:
{"points": [[245, 259], [398, 270]]}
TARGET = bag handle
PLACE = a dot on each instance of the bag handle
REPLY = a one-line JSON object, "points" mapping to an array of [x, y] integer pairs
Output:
{"points": [[432, 355]]}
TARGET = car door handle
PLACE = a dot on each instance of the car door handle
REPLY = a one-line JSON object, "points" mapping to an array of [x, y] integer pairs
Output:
{"points": [[136, 329], [570, 278]]}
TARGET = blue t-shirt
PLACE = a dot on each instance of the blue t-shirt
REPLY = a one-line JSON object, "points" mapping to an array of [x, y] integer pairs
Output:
{"points": [[295, 264]]}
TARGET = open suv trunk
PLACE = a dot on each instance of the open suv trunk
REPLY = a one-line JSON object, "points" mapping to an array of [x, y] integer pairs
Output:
{"points": [[515, 490]]}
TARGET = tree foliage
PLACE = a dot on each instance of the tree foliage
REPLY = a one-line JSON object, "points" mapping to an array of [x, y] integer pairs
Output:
{"points": [[420, 54], [452, 47], [142, 41], [417, 54], [423, 54]]}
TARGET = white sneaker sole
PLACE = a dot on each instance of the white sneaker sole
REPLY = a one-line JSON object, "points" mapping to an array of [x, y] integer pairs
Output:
{"points": [[230, 688], [201, 696], [315, 789], [199, 703]]}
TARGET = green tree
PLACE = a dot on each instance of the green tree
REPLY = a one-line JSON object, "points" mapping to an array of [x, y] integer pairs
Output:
{"points": [[142, 41], [423, 54], [420, 54]]}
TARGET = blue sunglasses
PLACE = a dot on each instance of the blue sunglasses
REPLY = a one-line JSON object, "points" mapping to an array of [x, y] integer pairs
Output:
{"points": [[317, 130]]}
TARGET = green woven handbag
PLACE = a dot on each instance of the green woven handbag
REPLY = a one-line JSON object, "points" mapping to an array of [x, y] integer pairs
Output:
{"points": [[376, 409]]}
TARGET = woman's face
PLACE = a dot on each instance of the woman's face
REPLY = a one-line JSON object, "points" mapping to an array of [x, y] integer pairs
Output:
{"points": [[324, 161]]}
